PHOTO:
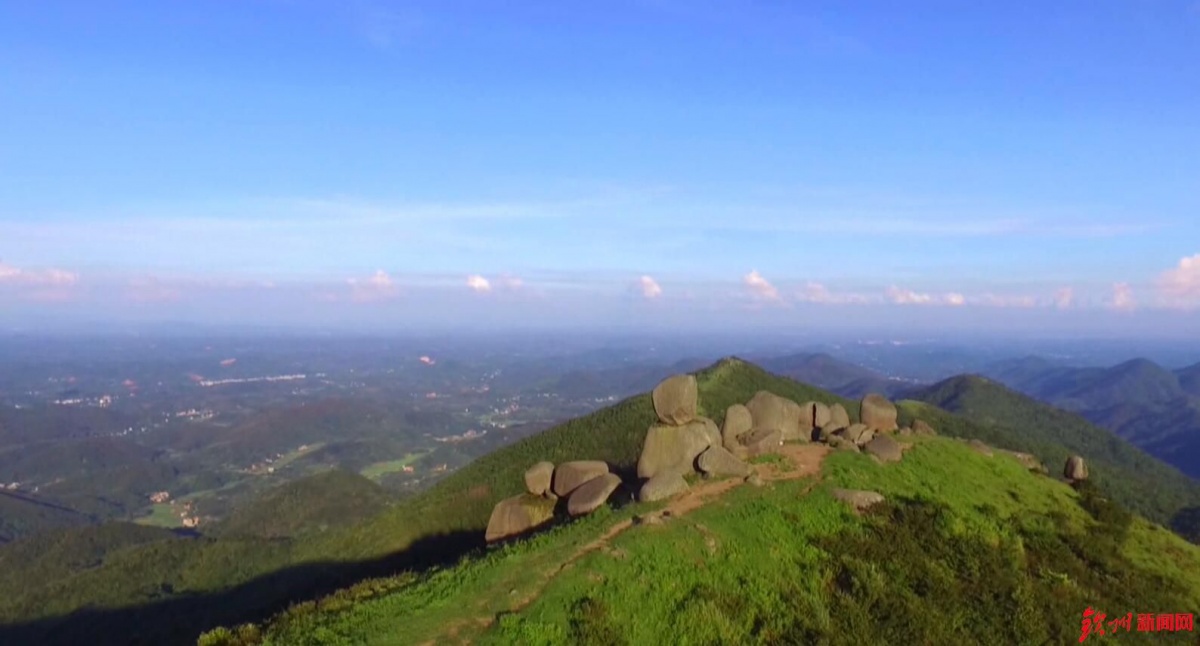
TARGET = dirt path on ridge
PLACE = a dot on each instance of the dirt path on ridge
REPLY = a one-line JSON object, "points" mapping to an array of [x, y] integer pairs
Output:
{"points": [[799, 461]]}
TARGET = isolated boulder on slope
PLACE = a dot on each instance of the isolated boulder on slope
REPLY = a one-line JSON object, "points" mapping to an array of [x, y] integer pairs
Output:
{"points": [[1075, 469], [517, 515], [538, 478], [569, 475], [878, 413], [675, 399], [590, 495]]}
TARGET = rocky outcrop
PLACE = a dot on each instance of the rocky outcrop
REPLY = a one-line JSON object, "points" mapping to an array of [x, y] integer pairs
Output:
{"points": [[980, 448], [710, 429], [885, 448], [716, 461], [821, 414], [662, 486], [674, 449], [538, 478], [761, 440], [878, 413], [921, 427], [675, 400], [770, 411], [570, 475], [517, 515], [588, 496], [1075, 469], [738, 421], [904, 431], [857, 499], [854, 432], [838, 416], [1028, 461]]}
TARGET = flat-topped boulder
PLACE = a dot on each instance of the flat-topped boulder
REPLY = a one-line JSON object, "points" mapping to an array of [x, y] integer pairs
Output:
{"points": [[884, 447], [1075, 469], [762, 440], [858, 499], [590, 495], [674, 449], [675, 399], [517, 515], [569, 475], [770, 411], [738, 421], [662, 486], [717, 461], [878, 413], [538, 478]]}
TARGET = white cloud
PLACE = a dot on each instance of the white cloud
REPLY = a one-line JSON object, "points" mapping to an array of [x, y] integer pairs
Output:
{"points": [[649, 287], [954, 299], [994, 300], [1122, 298], [52, 277], [907, 297], [1181, 286], [818, 293], [379, 286], [479, 283], [1064, 298], [759, 287]]}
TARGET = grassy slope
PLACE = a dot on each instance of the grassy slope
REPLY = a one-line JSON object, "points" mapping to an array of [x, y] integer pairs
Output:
{"points": [[767, 565], [1008, 419]]}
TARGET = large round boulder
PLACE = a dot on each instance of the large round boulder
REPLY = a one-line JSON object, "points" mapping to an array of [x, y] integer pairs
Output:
{"points": [[517, 515], [1075, 469], [838, 416], [885, 448], [538, 477], [878, 413], [662, 486], [673, 449], [770, 411], [853, 432], [716, 461], [737, 421], [588, 496], [675, 399], [569, 475]]}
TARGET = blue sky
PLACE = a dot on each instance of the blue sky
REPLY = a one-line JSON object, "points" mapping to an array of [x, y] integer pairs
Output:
{"points": [[985, 164]]}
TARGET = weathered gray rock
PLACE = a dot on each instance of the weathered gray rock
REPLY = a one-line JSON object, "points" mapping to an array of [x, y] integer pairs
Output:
{"points": [[1028, 461], [846, 445], [885, 448], [717, 461], [569, 475], [675, 399], [828, 431], [673, 449], [980, 448], [820, 413], [921, 427], [838, 416], [1075, 469], [737, 422], [588, 496], [754, 480], [517, 515], [762, 440], [866, 436], [853, 432], [662, 486], [538, 478], [878, 413], [769, 410], [857, 499]]}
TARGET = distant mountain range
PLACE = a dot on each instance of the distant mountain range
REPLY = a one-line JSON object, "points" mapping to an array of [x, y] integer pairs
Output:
{"points": [[1154, 408], [835, 375]]}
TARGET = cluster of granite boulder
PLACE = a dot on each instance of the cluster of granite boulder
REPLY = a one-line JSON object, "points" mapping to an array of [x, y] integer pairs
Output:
{"points": [[585, 484]]}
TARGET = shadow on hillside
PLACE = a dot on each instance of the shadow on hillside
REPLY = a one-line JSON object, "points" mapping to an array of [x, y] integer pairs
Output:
{"points": [[181, 619]]}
